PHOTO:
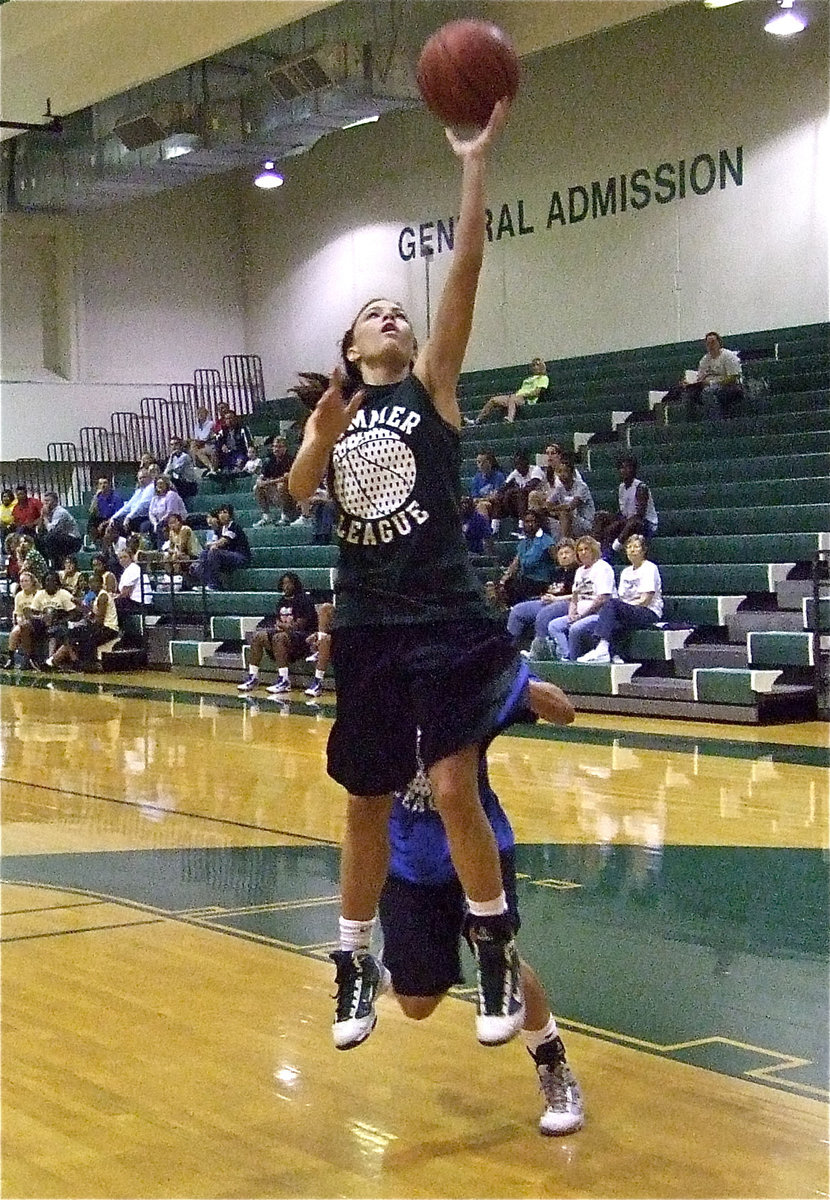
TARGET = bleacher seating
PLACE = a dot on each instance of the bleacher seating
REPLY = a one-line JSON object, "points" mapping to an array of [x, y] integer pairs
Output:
{"points": [[744, 509]]}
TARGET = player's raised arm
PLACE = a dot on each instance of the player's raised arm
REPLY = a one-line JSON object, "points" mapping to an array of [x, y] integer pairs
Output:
{"points": [[439, 363]]}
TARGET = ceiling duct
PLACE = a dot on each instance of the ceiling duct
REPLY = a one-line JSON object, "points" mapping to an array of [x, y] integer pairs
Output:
{"points": [[273, 97]]}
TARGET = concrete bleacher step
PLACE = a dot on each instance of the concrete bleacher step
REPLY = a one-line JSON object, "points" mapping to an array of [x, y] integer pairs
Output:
{"points": [[702, 654], [791, 593], [662, 687], [739, 624]]}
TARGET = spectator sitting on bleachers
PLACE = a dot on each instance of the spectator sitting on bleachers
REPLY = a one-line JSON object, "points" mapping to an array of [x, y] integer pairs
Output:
{"points": [[638, 604], [182, 546], [569, 500], [93, 587], [593, 586], [30, 558], [8, 500], [232, 445], [102, 508], [636, 512], [229, 552], [476, 527], [283, 636], [28, 627], [532, 569], [203, 440], [527, 393], [319, 644], [271, 485], [134, 592], [27, 510], [98, 627], [132, 512], [181, 470], [554, 602], [511, 498], [487, 480], [719, 377], [57, 531], [70, 576], [56, 607], [11, 563], [166, 500]]}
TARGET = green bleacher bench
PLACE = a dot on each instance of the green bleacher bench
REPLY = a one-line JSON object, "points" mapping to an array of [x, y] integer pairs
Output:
{"points": [[259, 604], [704, 449], [795, 518], [732, 685], [737, 548], [700, 610], [690, 578], [808, 419], [650, 645], [191, 654], [290, 558], [771, 649], [810, 613], [267, 579], [736, 467], [587, 679], [224, 629]]}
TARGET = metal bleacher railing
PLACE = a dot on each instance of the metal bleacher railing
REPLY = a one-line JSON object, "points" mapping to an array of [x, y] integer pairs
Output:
{"points": [[70, 468]]}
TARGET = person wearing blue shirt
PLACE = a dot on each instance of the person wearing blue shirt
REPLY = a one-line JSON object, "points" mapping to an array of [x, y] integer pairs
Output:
{"points": [[422, 911], [488, 478], [534, 564], [475, 527], [133, 511]]}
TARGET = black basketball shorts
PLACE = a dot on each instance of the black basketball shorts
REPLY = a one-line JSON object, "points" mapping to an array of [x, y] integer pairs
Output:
{"points": [[449, 679], [422, 928]]}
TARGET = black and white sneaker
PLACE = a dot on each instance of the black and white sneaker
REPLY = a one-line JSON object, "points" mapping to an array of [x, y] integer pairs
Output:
{"points": [[248, 684], [564, 1106], [361, 978], [500, 1005]]}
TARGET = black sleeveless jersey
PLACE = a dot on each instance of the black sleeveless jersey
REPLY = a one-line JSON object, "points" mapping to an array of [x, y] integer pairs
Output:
{"points": [[395, 478]]}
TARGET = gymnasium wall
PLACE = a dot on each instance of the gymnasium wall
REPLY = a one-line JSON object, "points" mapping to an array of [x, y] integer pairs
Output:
{"points": [[101, 309], [663, 90]]}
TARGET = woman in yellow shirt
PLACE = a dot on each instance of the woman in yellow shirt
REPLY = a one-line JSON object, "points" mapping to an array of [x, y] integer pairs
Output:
{"points": [[528, 393], [8, 503]]}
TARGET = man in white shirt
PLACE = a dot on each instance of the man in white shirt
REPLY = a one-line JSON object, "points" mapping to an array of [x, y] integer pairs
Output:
{"points": [[719, 376]]}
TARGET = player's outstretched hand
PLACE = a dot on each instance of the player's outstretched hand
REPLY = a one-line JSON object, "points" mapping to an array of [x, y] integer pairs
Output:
{"points": [[332, 414], [482, 141]]}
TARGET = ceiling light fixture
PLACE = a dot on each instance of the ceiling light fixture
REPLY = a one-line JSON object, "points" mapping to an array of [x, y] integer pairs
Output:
{"points": [[268, 178], [787, 22]]}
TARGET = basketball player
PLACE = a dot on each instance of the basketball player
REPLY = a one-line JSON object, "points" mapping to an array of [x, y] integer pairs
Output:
{"points": [[422, 915], [414, 645]]}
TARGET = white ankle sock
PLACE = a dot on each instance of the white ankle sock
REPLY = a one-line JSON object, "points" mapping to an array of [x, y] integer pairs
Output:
{"points": [[318, 674], [602, 644], [488, 908], [534, 1038], [355, 935], [253, 670], [282, 672]]}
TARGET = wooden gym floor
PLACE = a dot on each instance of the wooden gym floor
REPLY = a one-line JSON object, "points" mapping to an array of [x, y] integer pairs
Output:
{"points": [[169, 898]]}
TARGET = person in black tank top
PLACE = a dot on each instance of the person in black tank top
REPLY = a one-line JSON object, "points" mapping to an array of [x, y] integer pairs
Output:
{"points": [[413, 646]]}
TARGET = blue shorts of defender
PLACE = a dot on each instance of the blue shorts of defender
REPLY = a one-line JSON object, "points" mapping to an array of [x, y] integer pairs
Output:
{"points": [[449, 679], [422, 929]]}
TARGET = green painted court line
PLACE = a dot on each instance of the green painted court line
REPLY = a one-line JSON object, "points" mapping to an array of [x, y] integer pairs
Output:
{"points": [[803, 756]]}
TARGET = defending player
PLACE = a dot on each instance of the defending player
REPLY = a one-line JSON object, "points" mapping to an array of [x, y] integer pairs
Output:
{"points": [[422, 915]]}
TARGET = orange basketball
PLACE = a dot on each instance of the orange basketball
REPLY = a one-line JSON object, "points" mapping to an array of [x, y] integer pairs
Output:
{"points": [[464, 69]]}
